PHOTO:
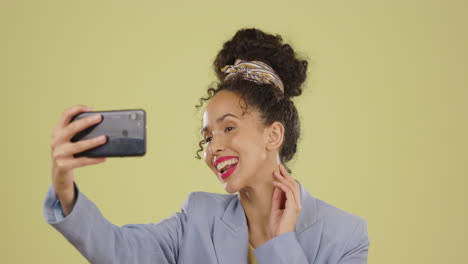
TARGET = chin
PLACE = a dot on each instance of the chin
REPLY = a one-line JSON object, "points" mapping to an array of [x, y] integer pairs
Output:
{"points": [[230, 188]]}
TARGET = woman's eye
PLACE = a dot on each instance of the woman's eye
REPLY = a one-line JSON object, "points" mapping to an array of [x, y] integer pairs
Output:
{"points": [[208, 139]]}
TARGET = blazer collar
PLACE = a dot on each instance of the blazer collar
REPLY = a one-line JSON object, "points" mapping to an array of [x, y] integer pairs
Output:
{"points": [[231, 234], [234, 215]]}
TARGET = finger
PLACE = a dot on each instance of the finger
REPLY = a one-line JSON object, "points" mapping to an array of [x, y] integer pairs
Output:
{"points": [[286, 175], [65, 134], [293, 182], [284, 172], [296, 190], [73, 163], [276, 199], [289, 203], [298, 193], [285, 181], [69, 113], [290, 200], [79, 125], [294, 186], [68, 149]]}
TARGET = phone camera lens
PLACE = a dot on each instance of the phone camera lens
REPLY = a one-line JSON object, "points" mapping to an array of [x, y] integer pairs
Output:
{"points": [[133, 116]]}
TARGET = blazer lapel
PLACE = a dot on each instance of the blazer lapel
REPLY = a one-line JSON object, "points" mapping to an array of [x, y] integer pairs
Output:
{"points": [[231, 235], [309, 214], [307, 218]]}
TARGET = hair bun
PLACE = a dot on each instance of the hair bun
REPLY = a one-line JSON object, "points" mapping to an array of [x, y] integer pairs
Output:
{"points": [[253, 44]]}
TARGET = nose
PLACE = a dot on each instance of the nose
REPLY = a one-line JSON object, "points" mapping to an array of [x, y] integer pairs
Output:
{"points": [[215, 146]]}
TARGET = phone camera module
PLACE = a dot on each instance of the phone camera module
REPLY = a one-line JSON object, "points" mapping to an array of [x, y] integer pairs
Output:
{"points": [[133, 116]]}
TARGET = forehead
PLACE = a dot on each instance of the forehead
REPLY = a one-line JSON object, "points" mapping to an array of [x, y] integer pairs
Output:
{"points": [[222, 103], [227, 103]]}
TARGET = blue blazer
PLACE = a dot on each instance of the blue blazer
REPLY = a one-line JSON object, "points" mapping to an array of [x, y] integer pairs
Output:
{"points": [[211, 228]]}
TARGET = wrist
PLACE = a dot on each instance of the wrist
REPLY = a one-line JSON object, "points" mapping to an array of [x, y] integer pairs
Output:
{"points": [[67, 200]]}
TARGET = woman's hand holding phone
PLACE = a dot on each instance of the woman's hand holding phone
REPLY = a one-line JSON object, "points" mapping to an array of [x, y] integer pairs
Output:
{"points": [[62, 150]]}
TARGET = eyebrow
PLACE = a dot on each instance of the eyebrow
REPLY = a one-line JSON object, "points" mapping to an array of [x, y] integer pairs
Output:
{"points": [[219, 120]]}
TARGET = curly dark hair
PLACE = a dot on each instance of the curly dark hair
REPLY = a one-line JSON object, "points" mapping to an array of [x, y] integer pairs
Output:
{"points": [[273, 105]]}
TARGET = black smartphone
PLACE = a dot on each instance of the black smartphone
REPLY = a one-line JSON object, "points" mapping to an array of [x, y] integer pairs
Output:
{"points": [[125, 131]]}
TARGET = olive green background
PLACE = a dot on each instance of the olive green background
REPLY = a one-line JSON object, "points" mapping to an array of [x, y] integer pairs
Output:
{"points": [[384, 112]]}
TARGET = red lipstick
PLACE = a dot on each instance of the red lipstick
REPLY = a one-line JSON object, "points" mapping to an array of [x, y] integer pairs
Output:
{"points": [[228, 172], [221, 159]]}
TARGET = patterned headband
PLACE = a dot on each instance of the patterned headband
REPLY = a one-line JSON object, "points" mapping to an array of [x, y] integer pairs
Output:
{"points": [[256, 71]]}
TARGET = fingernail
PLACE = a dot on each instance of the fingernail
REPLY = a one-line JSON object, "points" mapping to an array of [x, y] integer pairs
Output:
{"points": [[96, 117]]}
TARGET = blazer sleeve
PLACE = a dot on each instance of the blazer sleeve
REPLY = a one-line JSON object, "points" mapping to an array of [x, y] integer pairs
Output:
{"points": [[100, 241], [357, 246], [283, 249]]}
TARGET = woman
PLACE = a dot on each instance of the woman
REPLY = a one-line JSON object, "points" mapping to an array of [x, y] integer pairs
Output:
{"points": [[250, 131]]}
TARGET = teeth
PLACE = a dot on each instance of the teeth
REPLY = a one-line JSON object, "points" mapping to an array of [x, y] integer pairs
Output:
{"points": [[225, 163]]}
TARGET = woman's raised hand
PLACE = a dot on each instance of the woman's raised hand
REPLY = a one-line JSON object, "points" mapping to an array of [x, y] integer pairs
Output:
{"points": [[62, 150], [286, 203]]}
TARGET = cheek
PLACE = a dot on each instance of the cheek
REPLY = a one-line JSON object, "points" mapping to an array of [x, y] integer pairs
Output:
{"points": [[250, 147], [250, 141], [206, 157]]}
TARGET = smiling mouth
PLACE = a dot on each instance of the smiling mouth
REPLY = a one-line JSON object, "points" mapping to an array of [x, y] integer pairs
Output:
{"points": [[227, 167], [228, 171]]}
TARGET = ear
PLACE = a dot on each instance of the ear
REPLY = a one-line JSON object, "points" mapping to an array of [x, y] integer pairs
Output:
{"points": [[274, 135]]}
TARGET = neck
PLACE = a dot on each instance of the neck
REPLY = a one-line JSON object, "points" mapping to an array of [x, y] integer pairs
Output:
{"points": [[256, 200]]}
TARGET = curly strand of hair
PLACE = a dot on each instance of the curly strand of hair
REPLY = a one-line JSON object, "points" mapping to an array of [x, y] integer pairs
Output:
{"points": [[211, 92], [200, 144]]}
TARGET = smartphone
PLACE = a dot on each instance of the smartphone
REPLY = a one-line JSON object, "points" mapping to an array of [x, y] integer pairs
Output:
{"points": [[125, 131]]}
